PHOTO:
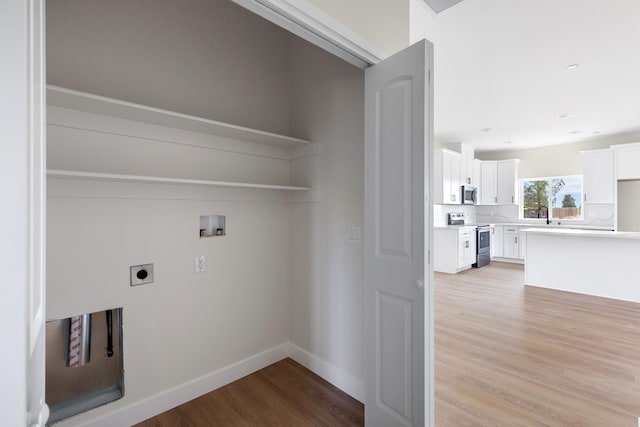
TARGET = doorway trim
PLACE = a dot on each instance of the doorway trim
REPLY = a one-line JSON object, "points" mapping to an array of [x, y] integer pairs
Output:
{"points": [[310, 23]]}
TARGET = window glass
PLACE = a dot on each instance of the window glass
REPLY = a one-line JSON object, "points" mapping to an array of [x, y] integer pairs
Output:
{"points": [[562, 196], [535, 198]]}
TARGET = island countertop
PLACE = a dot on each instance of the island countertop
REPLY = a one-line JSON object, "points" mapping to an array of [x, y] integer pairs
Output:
{"points": [[572, 232]]}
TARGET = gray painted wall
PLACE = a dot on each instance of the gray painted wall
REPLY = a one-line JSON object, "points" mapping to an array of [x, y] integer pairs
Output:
{"points": [[207, 58]]}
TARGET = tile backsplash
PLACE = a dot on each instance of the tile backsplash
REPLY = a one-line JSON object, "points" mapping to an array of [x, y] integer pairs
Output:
{"points": [[600, 215]]}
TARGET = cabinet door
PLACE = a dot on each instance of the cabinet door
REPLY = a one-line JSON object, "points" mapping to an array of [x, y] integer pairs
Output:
{"points": [[628, 159], [446, 178], [466, 164], [497, 245], [511, 242], [461, 252], [489, 176], [452, 160], [522, 245], [466, 247], [471, 250], [477, 177], [598, 179], [506, 182]]}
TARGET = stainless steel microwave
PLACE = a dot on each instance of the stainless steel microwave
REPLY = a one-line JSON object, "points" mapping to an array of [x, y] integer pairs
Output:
{"points": [[469, 195]]}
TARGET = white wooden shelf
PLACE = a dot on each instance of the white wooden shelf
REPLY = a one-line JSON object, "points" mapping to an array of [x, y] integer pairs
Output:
{"points": [[92, 176], [76, 100]]}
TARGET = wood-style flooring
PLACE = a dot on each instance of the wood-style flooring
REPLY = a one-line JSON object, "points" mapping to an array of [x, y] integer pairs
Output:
{"points": [[514, 355], [505, 355], [283, 394]]}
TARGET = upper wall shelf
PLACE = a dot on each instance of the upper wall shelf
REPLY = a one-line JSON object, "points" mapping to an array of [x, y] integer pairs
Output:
{"points": [[76, 100], [92, 176]]}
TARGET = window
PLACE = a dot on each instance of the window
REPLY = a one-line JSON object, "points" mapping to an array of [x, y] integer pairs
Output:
{"points": [[562, 195]]}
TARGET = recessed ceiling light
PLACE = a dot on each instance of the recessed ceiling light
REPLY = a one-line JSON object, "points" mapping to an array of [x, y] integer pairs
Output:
{"points": [[563, 115], [485, 130], [572, 66], [574, 132], [596, 131]]}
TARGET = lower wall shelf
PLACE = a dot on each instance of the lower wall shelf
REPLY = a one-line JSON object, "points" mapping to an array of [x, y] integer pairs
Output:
{"points": [[164, 180]]}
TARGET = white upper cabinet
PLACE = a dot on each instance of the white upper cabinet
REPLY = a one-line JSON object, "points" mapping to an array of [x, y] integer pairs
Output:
{"points": [[489, 183], [466, 165], [498, 182], [507, 171], [598, 176], [446, 177], [627, 161]]}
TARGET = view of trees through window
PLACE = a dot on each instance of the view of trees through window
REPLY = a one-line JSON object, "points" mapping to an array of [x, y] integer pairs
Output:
{"points": [[561, 196]]}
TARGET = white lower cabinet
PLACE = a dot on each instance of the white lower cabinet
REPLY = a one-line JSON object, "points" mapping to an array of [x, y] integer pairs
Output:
{"points": [[454, 249], [510, 245], [466, 247]]}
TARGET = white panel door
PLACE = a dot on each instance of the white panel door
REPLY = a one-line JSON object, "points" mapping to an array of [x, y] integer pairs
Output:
{"points": [[398, 315]]}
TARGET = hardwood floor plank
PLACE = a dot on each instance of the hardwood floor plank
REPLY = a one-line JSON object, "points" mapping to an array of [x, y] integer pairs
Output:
{"points": [[283, 394], [509, 354]]}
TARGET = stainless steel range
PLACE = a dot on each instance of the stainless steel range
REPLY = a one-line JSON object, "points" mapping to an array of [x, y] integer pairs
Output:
{"points": [[483, 245]]}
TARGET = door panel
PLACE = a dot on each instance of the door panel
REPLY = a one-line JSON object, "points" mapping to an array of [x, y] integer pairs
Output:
{"points": [[393, 151], [398, 280]]}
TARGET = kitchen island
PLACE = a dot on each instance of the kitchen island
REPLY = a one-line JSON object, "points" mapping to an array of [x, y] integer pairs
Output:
{"points": [[592, 262]]}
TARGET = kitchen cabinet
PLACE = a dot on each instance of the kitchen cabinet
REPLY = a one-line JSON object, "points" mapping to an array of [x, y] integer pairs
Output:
{"points": [[498, 182], [488, 182], [497, 241], [466, 165], [598, 179], [446, 175], [507, 181], [510, 242], [627, 161], [466, 247], [454, 248]]}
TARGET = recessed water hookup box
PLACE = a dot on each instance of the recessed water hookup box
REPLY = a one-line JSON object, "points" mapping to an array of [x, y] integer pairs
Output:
{"points": [[212, 225]]}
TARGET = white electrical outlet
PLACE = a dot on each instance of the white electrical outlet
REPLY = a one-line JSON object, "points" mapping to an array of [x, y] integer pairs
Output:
{"points": [[200, 265]]}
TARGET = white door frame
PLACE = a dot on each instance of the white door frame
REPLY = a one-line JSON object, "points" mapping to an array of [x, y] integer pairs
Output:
{"points": [[310, 23], [22, 180]]}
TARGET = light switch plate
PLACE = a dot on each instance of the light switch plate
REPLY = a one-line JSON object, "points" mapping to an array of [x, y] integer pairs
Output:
{"points": [[141, 274]]}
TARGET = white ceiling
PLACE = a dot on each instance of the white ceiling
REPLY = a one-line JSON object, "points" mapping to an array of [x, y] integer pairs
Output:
{"points": [[502, 64]]}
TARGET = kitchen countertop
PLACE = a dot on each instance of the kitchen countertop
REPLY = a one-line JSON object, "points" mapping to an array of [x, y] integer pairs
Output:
{"points": [[530, 225], [567, 226], [583, 233]]}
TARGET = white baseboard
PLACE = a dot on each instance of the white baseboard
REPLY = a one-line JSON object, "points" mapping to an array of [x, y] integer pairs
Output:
{"points": [[161, 402], [339, 378]]}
